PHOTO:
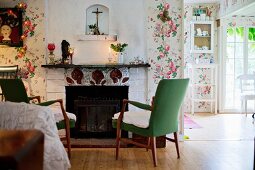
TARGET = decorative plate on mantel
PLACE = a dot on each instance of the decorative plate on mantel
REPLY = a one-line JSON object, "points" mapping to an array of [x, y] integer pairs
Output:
{"points": [[85, 37]]}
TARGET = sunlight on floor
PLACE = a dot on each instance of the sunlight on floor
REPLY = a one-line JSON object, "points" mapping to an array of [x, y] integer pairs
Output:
{"points": [[221, 127]]}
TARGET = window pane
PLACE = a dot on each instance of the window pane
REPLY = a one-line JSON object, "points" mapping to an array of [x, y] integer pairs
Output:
{"points": [[239, 50], [230, 50], [238, 67], [230, 66], [231, 34], [240, 34], [251, 50], [251, 34], [251, 66]]}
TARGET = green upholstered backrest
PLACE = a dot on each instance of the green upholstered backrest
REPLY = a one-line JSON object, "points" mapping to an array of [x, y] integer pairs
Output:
{"points": [[167, 102], [14, 90]]}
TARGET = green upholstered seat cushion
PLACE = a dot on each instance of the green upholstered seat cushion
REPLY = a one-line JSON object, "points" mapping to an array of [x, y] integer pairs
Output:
{"points": [[61, 124]]}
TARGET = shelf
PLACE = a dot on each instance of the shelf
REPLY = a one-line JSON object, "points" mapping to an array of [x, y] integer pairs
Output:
{"points": [[202, 22], [196, 84], [204, 100], [85, 37], [202, 51], [66, 66], [202, 65], [198, 36]]}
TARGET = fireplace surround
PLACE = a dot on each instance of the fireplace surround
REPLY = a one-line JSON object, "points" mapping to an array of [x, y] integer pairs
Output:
{"points": [[61, 77]]}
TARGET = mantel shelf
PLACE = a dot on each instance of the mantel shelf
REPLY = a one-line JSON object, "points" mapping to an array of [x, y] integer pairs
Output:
{"points": [[66, 66], [86, 37]]}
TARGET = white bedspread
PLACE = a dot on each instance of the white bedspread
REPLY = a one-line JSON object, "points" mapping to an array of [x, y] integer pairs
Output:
{"points": [[30, 116]]}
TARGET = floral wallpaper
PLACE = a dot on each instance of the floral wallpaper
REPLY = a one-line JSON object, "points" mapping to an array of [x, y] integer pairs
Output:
{"points": [[31, 56], [164, 40]]}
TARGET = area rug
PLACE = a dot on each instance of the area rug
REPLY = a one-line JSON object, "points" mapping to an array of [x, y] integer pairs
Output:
{"points": [[189, 123]]}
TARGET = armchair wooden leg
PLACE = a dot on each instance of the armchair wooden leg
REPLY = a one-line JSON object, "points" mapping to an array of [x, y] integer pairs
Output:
{"points": [[176, 144], [153, 149], [148, 143], [67, 127], [68, 142], [118, 136]]}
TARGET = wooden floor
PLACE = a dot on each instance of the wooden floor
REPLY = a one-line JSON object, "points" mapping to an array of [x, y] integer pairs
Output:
{"points": [[225, 142]]}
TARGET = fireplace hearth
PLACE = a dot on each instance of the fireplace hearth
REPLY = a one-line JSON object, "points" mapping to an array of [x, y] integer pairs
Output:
{"points": [[94, 107]]}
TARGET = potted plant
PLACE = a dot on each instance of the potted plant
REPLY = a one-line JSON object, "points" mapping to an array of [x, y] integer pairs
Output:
{"points": [[119, 49], [92, 28]]}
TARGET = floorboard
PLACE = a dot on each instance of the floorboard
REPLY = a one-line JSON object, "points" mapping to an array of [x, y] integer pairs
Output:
{"points": [[224, 142]]}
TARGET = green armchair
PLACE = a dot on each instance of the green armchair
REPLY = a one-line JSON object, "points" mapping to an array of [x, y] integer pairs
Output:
{"points": [[163, 116], [14, 91]]}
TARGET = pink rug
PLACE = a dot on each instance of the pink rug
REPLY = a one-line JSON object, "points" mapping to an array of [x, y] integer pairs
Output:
{"points": [[190, 124]]}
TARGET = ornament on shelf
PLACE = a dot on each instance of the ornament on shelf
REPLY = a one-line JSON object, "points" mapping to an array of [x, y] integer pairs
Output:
{"points": [[65, 53], [51, 48]]}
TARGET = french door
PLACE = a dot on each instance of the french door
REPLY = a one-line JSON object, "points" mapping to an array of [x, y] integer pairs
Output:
{"points": [[238, 58]]}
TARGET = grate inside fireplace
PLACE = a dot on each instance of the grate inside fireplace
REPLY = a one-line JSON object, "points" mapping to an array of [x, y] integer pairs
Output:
{"points": [[94, 117]]}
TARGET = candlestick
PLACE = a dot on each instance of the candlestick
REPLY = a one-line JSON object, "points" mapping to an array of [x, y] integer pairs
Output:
{"points": [[71, 51]]}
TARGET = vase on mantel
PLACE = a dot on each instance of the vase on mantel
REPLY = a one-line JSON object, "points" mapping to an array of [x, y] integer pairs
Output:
{"points": [[120, 57]]}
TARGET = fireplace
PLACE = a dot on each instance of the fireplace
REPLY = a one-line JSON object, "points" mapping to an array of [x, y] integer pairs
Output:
{"points": [[94, 107]]}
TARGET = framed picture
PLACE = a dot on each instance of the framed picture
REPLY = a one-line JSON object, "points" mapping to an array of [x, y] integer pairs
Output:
{"points": [[11, 27]]}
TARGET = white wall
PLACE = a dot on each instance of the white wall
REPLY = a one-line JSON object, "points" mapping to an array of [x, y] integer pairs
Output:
{"points": [[67, 18]]}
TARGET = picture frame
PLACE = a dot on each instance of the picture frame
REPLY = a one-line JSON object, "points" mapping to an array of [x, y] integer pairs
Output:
{"points": [[11, 27]]}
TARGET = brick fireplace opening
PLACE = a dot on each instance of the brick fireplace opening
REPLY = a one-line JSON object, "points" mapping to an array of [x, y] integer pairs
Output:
{"points": [[94, 107]]}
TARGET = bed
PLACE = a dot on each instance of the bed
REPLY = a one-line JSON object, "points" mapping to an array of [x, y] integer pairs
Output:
{"points": [[29, 116]]}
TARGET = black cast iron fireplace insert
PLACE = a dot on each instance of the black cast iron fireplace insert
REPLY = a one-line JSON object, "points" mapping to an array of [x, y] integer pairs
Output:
{"points": [[94, 107]]}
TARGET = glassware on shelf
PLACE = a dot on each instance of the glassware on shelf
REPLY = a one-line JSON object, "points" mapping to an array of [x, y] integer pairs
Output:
{"points": [[51, 56]]}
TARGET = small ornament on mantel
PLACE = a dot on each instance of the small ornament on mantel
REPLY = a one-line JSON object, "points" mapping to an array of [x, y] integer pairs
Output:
{"points": [[65, 52], [51, 56], [119, 52]]}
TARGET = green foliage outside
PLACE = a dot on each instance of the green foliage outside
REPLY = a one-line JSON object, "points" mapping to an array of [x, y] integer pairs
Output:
{"points": [[240, 32]]}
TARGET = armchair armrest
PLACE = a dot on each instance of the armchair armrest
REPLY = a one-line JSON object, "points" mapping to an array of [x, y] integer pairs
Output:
{"points": [[60, 101], [35, 97], [140, 105], [137, 104]]}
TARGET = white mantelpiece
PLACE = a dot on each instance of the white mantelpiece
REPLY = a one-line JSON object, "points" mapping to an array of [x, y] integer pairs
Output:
{"points": [[84, 37]]}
